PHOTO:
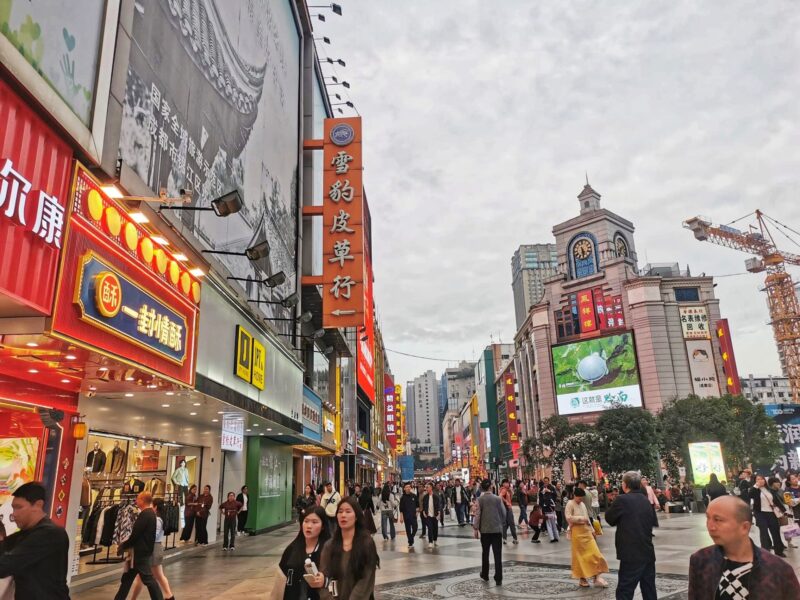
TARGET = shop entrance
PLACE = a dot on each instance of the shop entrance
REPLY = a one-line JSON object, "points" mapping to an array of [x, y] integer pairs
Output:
{"points": [[117, 468]]}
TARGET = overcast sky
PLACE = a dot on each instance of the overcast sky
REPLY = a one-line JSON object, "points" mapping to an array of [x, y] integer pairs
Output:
{"points": [[481, 118]]}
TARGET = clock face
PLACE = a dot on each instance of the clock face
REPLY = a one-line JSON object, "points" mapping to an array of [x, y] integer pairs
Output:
{"points": [[582, 249], [622, 248]]}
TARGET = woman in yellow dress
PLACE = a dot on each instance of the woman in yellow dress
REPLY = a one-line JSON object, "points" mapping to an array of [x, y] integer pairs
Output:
{"points": [[586, 558]]}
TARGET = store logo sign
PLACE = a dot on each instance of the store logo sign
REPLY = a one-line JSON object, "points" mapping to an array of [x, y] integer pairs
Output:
{"points": [[250, 362], [342, 134], [112, 302]]}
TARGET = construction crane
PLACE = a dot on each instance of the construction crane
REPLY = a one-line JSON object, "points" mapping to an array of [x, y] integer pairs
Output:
{"points": [[784, 309]]}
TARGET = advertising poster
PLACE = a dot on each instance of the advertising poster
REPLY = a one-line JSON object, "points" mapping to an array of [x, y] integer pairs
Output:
{"points": [[211, 104], [702, 368], [62, 45], [593, 375], [17, 466], [787, 417], [706, 459], [694, 323]]}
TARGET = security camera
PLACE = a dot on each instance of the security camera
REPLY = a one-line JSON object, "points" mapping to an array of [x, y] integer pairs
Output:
{"points": [[184, 196]]}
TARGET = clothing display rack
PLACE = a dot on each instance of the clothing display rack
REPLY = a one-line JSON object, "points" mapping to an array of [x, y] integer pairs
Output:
{"points": [[101, 503]]}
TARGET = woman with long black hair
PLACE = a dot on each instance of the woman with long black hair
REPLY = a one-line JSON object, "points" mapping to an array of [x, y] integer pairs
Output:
{"points": [[388, 506], [349, 560], [310, 540]]}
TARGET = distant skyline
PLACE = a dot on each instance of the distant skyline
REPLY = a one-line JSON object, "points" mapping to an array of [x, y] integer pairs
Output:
{"points": [[482, 119]]}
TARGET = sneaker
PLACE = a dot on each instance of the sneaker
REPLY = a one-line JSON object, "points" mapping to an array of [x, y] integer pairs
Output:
{"points": [[422, 536], [430, 544], [536, 541], [516, 541], [553, 541], [224, 549], [231, 548], [411, 545], [435, 543]]}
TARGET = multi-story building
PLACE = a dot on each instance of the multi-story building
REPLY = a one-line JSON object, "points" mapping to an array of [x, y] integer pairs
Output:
{"points": [[766, 390], [607, 332], [491, 362], [459, 385], [426, 414], [531, 266]]}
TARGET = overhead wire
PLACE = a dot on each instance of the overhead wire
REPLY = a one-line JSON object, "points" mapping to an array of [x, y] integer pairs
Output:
{"points": [[455, 360]]}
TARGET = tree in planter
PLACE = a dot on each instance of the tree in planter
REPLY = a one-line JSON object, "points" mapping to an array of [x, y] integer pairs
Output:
{"points": [[743, 430], [582, 447], [553, 430], [629, 441]]}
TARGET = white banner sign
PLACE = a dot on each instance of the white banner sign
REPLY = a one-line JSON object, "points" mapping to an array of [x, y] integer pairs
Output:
{"points": [[232, 434], [702, 369], [694, 323]]}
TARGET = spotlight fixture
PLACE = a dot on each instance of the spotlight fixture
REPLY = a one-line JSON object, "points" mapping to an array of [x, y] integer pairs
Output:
{"points": [[289, 302], [333, 61], [347, 103], [303, 318], [337, 82], [254, 253], [364, 338], [324, 40], [272, 281], [336, 8], [318, 334], [225, 205]]}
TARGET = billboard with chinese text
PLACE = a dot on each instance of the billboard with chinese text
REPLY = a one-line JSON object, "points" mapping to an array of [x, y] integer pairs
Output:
{"points": [[366, 340], [593, 375], [344, 268], [211, 104], [787, 417], [694, 323], [702, 368], [706, 459]]}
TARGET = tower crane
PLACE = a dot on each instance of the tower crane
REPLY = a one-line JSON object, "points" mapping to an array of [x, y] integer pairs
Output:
{"points": [[784, 309]]}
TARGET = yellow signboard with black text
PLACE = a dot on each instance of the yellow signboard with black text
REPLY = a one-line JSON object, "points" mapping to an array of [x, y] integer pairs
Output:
{"points": [[259, 364], [251, 358]]}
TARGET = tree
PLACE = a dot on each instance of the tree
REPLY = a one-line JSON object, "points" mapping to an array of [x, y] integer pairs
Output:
{"points": [[581, 446], [743, 430], [553, 430], [628, 440]]}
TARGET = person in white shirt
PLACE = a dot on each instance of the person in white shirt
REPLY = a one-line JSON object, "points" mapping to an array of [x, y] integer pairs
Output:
{"points": [[243, 497], [330, 503]]}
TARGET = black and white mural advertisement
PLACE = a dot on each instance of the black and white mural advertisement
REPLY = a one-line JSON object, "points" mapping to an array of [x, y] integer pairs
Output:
{"points": [[211, 105]]}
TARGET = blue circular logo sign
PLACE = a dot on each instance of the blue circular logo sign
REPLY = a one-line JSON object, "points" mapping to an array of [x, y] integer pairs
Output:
{"points": [[342, 134]]}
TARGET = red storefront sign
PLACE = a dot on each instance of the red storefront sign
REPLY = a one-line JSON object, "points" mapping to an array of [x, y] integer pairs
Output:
{"points": [[34, 175], [586, 311], [511, 412], [390, 411], [343, 270], [366, 340], [120, 292], [734, 385]]}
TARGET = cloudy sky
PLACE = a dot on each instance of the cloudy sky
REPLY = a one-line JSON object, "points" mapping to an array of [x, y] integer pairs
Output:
{"points": [[481, 118]]}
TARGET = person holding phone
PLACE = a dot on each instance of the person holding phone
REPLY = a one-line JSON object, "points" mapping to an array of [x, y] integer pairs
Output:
{"points": [[294, 583], [349, 560]]}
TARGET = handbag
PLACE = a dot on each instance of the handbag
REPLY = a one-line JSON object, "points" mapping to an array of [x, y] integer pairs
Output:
{"points": [[783, 520]]}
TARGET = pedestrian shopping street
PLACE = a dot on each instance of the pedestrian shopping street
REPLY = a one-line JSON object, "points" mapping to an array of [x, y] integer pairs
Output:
{"points": [[449, 571]]}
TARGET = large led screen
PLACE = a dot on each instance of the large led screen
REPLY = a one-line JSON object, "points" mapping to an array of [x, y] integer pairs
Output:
{"points": [[594, 375]]}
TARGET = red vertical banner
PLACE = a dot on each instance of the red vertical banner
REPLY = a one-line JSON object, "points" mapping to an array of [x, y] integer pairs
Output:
{"points": [[586, 311], [734, 385], [511, 412], [608, 304], [619, 315], [599, 307], [343, 270]]}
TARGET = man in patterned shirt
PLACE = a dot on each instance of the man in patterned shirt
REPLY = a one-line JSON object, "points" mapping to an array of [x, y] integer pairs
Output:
{"points": [[734, 568]]}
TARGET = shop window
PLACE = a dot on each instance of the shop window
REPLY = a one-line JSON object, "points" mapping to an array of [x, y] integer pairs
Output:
{"points": [[687, 294]]}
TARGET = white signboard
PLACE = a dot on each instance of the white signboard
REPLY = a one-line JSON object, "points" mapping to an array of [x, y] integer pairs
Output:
{"points": [[702, 369], [694, 323], [232, 434]]}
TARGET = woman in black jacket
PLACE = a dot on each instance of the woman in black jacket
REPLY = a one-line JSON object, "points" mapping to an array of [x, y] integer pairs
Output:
{"points": [[305, 502], [307, 545], [714, 489], [368, 507]]}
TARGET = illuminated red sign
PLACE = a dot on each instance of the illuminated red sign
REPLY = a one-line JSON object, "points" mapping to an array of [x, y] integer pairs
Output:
{"points": [[586, 311], [121, 295], [732, 381], [366, 338], [511, 413], [34, 175]]}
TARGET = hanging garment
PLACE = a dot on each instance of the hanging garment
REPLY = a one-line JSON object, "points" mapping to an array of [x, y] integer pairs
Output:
{"points": [[117, 462], [86, 492], [171, 518], [100, 525], [96, 460], [90, 526], [156, 487], [137, 485], [124, 523], [108, 523]]}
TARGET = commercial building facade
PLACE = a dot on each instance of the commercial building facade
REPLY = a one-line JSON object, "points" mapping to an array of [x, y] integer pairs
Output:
{"points": [[531, 266]]}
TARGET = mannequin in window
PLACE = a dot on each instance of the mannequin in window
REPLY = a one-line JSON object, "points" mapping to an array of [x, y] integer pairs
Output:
{"points": [[117, 459], [180, 479], [96, 459]]}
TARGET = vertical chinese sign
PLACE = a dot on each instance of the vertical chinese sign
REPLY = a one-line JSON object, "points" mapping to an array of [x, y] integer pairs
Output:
{"points": [[586, 311], [343, 272], [732, 381], [511, 411], [390, 411], [697, 337]]}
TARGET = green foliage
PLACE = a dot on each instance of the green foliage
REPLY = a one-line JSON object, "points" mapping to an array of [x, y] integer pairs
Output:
{"points": [[581, 447], [628, 440], [743, 430]]}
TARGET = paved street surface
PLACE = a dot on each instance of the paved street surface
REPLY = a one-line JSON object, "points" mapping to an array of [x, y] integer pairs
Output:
{"points": [[448, 572]]}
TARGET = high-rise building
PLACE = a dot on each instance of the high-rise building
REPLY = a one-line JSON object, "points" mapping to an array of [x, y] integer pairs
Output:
{"points": [[459, 383], [531, 265], [426, 418]]}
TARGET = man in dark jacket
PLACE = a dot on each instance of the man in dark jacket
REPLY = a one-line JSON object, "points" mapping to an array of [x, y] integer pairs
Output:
{"points": [[460, 498], [633, 516], [141, 541], [734, 567], [431, 507], [409, 507], [36, 555], [490, 514]]}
